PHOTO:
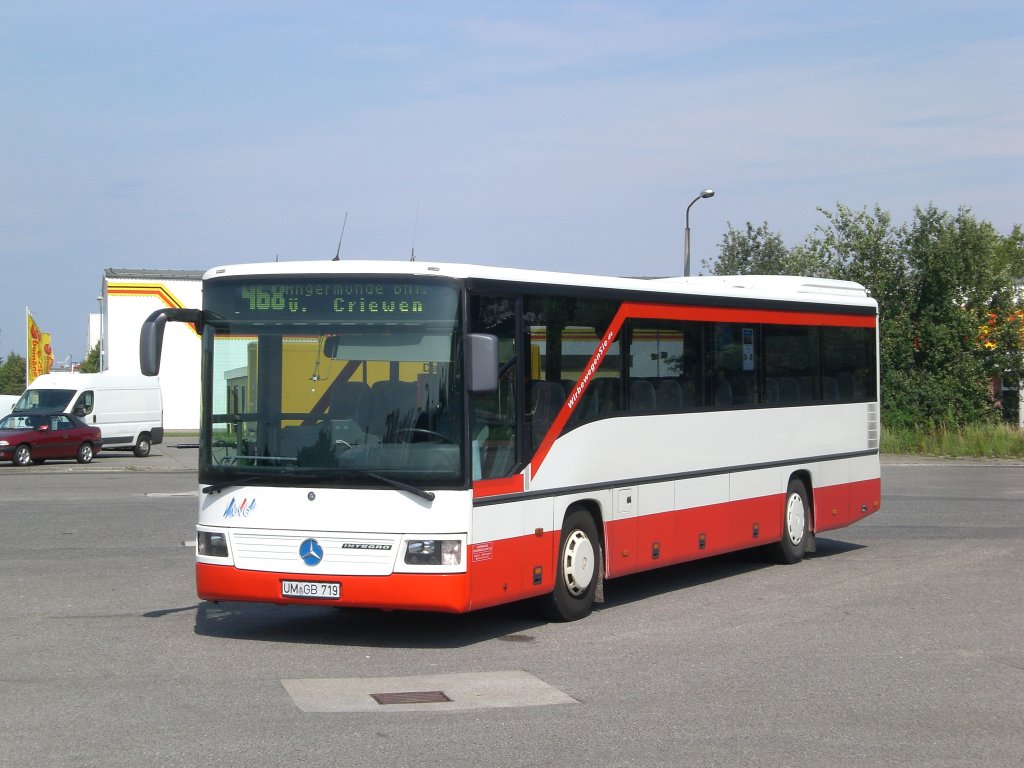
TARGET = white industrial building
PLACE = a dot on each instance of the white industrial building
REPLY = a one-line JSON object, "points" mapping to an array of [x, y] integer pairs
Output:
{"points": [[128, 297]]}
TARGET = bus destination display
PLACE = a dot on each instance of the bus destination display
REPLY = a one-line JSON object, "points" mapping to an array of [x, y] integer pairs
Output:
{"points": [[331, 300]]}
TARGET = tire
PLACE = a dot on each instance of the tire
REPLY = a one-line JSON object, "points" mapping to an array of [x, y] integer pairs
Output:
{"points": [[142, 446], [84, 455], [578, 570], [796, 520], [22, 456]]}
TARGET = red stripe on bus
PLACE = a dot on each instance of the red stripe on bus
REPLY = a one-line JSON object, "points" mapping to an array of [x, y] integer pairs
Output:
{"points": [[498, 487], [506, 570], [838, 506], [580, 388], [639, 311]]}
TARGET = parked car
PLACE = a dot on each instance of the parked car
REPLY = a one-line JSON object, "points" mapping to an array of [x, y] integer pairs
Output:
{"points": [[128, 409], [32, 438]]}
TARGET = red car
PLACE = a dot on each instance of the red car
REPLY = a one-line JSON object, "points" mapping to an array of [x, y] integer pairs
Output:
{"points": [[35, 437]]}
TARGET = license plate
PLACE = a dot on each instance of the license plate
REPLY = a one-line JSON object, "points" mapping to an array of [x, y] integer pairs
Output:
{"points": [[321, 590]]}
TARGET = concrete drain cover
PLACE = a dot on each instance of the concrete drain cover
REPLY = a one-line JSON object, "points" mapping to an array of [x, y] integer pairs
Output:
{"points": [[452, 692]]}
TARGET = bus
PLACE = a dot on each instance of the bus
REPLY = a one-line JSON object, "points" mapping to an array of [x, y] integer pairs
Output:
{"points": [[448, 437]]}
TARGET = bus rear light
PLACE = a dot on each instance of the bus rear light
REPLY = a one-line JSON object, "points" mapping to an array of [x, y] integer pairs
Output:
{"points": [[212, 544], [433, 552]]}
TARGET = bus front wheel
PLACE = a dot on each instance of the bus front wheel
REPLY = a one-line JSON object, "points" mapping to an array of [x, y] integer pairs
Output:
{"points": [[796, 521], [578, 571]]}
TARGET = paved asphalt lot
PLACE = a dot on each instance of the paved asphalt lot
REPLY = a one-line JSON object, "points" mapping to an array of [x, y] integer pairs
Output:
{"points": [[899, 644]]}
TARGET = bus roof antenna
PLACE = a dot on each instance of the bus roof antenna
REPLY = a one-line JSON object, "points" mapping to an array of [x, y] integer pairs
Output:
{"points": [[337, 255]]}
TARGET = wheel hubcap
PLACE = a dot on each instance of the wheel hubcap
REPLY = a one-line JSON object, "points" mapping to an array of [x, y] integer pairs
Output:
{"points": [[578, 563], [795, 518]]}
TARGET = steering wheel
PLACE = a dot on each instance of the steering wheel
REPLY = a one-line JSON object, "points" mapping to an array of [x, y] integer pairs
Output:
{"points": [[408, 432]]}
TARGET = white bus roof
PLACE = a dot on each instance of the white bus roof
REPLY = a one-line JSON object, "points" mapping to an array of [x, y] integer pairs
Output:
{"points": [[766, 287]]}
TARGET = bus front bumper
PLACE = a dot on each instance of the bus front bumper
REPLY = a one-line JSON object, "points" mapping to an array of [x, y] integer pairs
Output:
{"points": [[446, 592]]}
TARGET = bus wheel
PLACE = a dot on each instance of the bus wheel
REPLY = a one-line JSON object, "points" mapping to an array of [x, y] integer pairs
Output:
{"points": [[579, 569], [796, 520], [142, 446]]}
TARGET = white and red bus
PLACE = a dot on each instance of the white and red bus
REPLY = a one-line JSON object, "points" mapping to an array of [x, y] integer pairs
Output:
{"points": [[409, 435]]}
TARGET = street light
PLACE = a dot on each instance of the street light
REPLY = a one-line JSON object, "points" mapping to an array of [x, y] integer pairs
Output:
{"points": [[103, 343], [686, 242]]}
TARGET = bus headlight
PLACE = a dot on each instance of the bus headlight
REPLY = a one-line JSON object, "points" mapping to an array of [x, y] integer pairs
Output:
{"points": [[212, 544], [433, 552]]}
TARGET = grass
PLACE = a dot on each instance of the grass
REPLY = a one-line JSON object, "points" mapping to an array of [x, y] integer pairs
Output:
{"points": [[999, 441]]}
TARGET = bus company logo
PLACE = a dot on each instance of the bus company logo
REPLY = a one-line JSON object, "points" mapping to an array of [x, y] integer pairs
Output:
{"points": [[592, 368], [311, 552], [234, 509]]}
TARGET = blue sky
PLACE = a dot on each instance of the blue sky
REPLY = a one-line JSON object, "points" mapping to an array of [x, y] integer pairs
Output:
{"points": [[567, 136]]}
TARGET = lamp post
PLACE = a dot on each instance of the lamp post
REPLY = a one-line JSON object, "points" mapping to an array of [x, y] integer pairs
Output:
{"points": [[686, 242], [103, 341]]}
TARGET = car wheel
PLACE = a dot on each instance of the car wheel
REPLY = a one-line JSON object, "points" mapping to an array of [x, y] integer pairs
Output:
{"points": [[84, 455], [22, 456], [142, 446]]}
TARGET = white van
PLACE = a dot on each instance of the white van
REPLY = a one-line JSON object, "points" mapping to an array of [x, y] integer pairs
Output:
{"points": [[127, 409], [7, 403]]}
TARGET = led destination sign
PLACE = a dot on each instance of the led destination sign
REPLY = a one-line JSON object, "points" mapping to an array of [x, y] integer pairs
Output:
{"points": [[326, 300]]}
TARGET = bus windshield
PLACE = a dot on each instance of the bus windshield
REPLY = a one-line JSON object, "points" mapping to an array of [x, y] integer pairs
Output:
{"points": [[337, 381]]}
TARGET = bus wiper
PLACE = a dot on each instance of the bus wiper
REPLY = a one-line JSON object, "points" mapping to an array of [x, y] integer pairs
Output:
{"points": [[331, 471], [422, 493], [222, 484]]}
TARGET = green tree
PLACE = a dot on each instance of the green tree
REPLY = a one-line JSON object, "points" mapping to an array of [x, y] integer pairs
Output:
{"points": [[91, 363], [948, 289], [865, 247], [759, 252], [12, 375], [960, 277], [1011, 253]]}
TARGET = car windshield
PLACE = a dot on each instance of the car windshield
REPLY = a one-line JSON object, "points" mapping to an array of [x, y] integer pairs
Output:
{"points": [[336, 382], [20, 421]]}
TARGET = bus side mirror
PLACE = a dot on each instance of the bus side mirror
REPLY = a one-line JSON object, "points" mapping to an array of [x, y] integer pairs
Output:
{"points": [[481, 362], [151, 337]]}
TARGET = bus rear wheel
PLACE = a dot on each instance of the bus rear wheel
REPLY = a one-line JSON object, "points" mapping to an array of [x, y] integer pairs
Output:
{"points": [[796, 522], [578, 571]]}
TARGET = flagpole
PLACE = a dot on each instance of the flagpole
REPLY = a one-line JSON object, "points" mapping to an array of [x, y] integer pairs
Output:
{"points": [[28, 342]]}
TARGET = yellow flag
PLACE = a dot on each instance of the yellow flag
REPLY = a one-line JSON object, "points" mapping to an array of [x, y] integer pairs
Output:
{"points": [[36, 356], [47, 352]]}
